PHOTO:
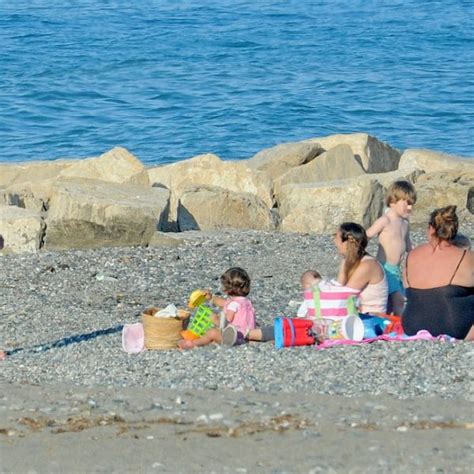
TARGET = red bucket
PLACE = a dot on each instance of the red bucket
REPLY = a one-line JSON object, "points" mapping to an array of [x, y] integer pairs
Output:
{"points": [[291, 332]]}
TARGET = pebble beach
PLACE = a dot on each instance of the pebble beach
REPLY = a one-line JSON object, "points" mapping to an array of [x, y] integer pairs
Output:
{"points": [[82, 297]]}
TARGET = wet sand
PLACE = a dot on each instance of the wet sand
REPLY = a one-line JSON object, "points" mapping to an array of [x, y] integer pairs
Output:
{"points": [[78, 429]]}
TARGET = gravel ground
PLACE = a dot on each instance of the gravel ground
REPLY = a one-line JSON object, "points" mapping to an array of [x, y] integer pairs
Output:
{"points": [[55, 295]]}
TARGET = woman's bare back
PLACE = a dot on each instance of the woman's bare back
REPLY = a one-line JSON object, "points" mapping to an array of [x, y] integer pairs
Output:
{"points": [[431, 266]]}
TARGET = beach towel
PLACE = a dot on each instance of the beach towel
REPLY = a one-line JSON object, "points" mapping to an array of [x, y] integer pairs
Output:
{"points": [[391, 337], [133, 338]]}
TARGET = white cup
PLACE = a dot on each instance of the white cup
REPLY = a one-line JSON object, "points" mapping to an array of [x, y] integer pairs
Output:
{"points": [[345, 328]]}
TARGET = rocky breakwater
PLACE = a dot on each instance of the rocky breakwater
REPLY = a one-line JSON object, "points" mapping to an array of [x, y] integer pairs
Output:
{"points": [[308, 186]]}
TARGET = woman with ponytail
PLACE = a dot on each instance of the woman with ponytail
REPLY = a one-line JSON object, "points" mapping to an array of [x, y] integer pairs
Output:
{"points": [[360, 271], [439, 277]]}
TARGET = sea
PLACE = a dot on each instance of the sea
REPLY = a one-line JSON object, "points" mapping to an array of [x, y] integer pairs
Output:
{"points": [[169, 80]]}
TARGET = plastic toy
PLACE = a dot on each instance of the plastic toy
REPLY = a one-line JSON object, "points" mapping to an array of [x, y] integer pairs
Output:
{"points": [[293, 332], [201, 320]]}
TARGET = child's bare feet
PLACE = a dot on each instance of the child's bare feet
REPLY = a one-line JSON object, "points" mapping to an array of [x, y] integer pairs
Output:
{"points": [[184, 344]]}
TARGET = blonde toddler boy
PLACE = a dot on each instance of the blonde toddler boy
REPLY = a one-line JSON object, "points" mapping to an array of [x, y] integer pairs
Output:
{"points": [[394, 242]]}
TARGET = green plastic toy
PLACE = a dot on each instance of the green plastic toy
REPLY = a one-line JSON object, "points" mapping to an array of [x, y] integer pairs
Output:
{"points": [[201, 320]]}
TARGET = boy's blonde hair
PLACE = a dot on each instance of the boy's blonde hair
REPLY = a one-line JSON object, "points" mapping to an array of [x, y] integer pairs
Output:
{"points": [[399, 190]]}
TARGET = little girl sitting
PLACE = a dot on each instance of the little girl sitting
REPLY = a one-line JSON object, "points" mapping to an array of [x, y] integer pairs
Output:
{"points": [[238, 311]]}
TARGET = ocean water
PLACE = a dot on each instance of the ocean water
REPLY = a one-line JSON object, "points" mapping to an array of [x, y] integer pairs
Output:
{"points": [[172, 79]]}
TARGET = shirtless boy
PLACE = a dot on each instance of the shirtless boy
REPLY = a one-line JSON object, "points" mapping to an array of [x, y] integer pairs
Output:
{"points": [[394, 239]]}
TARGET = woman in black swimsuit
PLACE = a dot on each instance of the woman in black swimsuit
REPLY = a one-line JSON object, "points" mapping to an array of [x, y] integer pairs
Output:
{"points": [[439, 277]]}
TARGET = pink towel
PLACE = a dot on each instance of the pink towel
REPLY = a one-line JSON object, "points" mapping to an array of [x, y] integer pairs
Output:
{"points": [[133, 338], [420, 335]]}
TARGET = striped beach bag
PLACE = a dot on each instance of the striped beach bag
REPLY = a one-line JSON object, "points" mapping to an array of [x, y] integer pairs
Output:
{"points": [[331, 300]]}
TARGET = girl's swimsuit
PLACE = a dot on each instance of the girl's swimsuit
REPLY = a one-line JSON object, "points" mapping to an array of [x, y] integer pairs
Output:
{"points": [[445, 309]]}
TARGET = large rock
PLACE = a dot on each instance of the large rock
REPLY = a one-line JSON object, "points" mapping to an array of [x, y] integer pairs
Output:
{"points": [[21, 230], [33, 171], [166, 239], [322, 207], [209, 170], [206, 208], [440, 189], [374, 155], [33, 195], [432, 161], [85, 213], [115, 166], [336, 163], [408, 174], [278, 160]]}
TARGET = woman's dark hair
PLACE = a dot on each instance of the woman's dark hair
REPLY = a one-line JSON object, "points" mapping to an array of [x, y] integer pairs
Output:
{"points": [[356, 238], [236, 282], [445, 222]]}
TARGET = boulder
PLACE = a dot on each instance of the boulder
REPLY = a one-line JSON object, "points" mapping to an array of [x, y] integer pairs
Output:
{"points": [[21, 230], [336, 163], [165, 239], [440, 189], [33, 195], [408, 174], [32, 171], [374, 155], [433, 161], [210, 207], [87, 213], [322, 207], [209, 170], [115, 166], [278, 160]]}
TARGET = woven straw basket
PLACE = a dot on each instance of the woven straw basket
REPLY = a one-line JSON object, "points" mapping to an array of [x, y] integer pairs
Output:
{"points": [[162, 333]]}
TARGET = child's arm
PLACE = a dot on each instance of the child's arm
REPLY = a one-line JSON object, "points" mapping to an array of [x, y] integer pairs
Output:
{"points": [[229, 315], [218, 301], [231, 311], [215, 300], [377, 227]]}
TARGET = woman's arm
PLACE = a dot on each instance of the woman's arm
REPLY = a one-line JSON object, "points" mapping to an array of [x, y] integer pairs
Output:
{"points": [[341, 276], [362, 275]]}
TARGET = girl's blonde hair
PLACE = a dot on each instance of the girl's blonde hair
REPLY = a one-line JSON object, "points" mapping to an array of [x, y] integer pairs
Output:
{"points": [[356, 238]]}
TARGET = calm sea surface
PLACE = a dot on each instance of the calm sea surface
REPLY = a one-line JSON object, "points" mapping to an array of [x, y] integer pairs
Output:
{"points": [[172, 79]]}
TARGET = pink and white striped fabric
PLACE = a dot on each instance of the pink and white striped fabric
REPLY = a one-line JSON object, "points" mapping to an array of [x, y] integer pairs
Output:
{"points": [[329, 299]]}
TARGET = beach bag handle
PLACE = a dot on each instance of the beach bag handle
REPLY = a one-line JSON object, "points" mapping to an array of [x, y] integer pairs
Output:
{"points": [[317, 301]]}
